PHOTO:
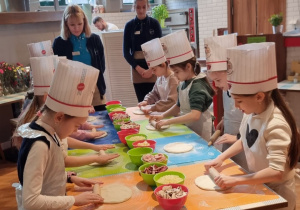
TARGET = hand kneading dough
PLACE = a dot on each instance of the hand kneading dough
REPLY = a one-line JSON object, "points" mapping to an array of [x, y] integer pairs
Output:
{"points": [[138, 112], [113, 193], [178, 147], [151, 128], [206, 183]]}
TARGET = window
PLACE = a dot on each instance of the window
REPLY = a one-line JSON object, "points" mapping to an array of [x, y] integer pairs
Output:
{"points": [[128, 1], [51, 2]]}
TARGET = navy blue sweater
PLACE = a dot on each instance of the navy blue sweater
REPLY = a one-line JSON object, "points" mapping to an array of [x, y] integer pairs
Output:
{"points": [[136, 33], [94, 45]]}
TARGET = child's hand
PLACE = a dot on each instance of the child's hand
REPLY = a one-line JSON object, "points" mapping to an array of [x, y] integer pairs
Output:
{"points": [[83, 182], [89, 126], [104, 159], [86, 198], [156, 117], [143, 103], [226, 138], [147, 110], [147, 74], [224, 181], [97, 148], [161, 123], [91, 110], [213, 163]]}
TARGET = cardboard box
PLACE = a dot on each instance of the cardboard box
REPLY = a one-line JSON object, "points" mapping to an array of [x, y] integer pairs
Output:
{"points": [[295, 66]]}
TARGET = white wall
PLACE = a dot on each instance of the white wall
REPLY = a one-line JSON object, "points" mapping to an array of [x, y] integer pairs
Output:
{"points": [[180, 4], [212, 14], [119, 19]]}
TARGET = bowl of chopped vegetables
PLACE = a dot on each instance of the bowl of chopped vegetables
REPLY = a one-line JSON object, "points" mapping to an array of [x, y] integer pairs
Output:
{"points": [[149, 170]]}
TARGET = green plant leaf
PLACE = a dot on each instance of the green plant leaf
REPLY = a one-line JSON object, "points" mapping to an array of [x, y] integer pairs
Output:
{"points": [[276, 19]]}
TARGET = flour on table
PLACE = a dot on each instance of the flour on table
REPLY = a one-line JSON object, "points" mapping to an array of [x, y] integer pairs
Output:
{"points": [[178, 147], [91, 118], [113, 193]]}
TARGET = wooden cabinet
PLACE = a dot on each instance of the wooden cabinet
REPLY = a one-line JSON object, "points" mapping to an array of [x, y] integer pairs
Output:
{"points": [[251, 16]]}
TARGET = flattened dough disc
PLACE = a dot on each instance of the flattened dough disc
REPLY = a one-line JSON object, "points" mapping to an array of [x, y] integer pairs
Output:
{"points": [[206, 183], [91, 118], [103, 135], [178, 147], [151, 128], [114, 193], [138, 112]]}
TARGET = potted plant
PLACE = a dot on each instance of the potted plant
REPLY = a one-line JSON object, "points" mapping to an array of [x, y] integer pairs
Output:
{"points": [[276, 20], [160, 13]]}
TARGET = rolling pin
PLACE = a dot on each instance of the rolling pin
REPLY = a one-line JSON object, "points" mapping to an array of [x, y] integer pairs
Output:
{"points": [[96, 188], [213, 173], [153, 123], [214, 137]]}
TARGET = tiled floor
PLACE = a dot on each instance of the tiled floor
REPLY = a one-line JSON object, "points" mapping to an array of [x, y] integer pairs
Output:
{"points": [[8, 175]]}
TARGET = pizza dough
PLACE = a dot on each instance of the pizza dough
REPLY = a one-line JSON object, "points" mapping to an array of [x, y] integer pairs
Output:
{"points": [[113, 193], [103, 135], [206, 183], [91, 118], [178, 147], [151, 128], [138, 112]]}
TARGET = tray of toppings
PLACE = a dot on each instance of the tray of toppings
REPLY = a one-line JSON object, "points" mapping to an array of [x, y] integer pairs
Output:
{"points": [[117, 113], [130, 125], [144, 143], [120, 116], [134, 137], [172, 196], [149, 170], [169, 177], [155, 157]]}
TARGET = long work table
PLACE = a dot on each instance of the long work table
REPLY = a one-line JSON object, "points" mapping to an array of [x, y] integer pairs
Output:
{"points": [[121, 170]]}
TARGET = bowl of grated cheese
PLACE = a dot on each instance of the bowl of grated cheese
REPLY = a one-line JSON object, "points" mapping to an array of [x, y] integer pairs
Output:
{"points": [[133, 138], [144, 143], [169, 177]]}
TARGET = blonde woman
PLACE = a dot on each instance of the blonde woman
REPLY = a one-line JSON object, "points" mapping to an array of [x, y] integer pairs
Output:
{"points": [[77, 43]]}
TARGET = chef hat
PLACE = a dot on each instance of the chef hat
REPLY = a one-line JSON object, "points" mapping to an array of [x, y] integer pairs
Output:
{"points": [[42, 72], [215, 51], [153, 52], [253, 68], [40, 49], [177, 47], [72, 88]]}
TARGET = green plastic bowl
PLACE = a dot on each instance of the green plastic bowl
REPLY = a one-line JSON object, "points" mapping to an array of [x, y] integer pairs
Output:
{"points": [[115, 109], [118, 127], [130, 142], [159, 175], [148, 178], [165, 162], [112, 105], [135, 154]]}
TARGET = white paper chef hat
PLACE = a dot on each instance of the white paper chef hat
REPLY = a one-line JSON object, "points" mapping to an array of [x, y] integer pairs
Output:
{"points": [[253, 68], [153, 52], [177, 47], [40, 49], [215, 51], [42, 73], [72, 88]]}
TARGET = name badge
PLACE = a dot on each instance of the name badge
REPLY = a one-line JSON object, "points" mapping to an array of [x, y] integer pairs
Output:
{"points": [[137, 32], [76, 53]]}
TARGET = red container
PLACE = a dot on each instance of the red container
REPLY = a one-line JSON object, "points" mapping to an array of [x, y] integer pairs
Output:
{"points": [[111, 114], [138, 129], [171, 204], [112, 102], [151, 142], [123, 133]]}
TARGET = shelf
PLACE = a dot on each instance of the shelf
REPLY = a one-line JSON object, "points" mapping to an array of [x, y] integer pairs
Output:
{"points": [[29, 17]]}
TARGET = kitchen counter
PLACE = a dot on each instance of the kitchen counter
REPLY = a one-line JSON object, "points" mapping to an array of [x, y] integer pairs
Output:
{"points": [[288, 86]]}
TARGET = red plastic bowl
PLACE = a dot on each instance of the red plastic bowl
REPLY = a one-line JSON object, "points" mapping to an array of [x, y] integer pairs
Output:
{"points": [[138, 129], [111, 114], [123, 133], [112, 102], [171, 204], [151, 142]]}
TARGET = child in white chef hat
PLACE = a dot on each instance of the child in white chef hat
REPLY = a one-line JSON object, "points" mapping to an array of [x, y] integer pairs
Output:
{"points": [[42, 71], [217, 70], [41, 167], [164, 93], [194, 91], [269, 135]]}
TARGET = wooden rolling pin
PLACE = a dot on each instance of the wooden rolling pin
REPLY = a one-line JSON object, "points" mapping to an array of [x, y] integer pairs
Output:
{"points": [[213, 173], [153, 123], [214, 137], [96, 188]]}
